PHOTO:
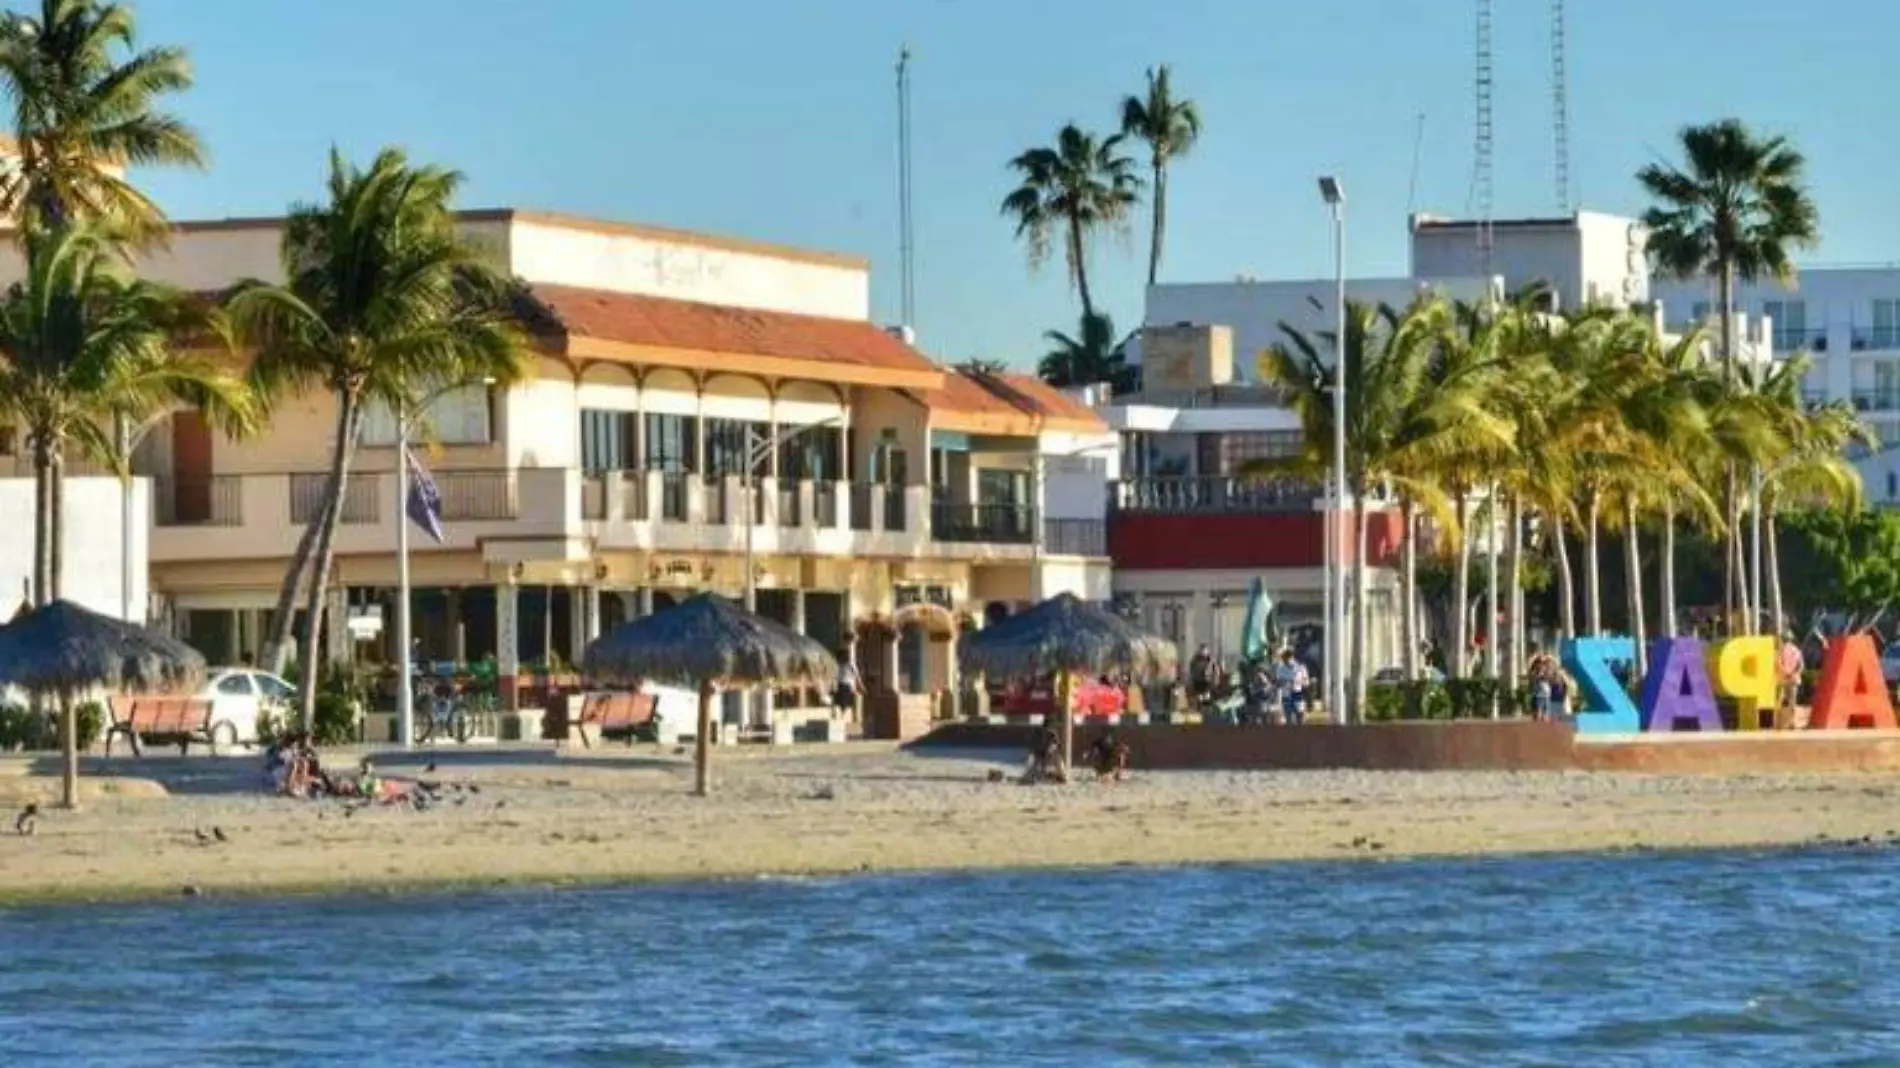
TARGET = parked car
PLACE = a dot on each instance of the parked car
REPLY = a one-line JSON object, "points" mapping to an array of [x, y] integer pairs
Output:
{"points": [[1397, 674], [238, 695], [1093, 697]]}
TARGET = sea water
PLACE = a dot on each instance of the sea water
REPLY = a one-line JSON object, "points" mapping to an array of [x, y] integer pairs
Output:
{"points": [[1697, 959]]}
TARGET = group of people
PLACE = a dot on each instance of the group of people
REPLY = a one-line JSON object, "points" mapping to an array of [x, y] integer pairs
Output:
{"points": [[293, 769], [1269, 689], [1108, 756]]}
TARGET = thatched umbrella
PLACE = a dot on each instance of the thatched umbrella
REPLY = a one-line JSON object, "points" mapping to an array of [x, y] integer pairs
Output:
{"points": [[1065, 636], [703, 644], [63, 651]]}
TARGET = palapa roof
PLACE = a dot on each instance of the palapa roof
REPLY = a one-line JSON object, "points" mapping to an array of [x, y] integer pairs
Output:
{"points": [[1065, 633], [708, 639], [62, 649]]}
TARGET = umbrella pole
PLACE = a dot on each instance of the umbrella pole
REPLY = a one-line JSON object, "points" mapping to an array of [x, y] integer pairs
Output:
{"points": [[1065, 699], [702, 743], [69, 754]]}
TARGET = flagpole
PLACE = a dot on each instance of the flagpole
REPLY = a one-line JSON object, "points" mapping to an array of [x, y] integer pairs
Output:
{"points": [[405, 682]]}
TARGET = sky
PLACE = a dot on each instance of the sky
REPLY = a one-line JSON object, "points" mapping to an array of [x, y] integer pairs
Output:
{"points": [[776, 120]]}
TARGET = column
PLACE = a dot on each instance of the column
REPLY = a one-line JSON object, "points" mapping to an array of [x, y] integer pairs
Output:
{"points": [[507, 645], [645, 602], [578, 599], [458, 630], [590, 615], [629, 604], [235, 654]]}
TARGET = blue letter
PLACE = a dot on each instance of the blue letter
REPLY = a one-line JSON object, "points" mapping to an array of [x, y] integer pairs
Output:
{"points": [[1606, 706]]}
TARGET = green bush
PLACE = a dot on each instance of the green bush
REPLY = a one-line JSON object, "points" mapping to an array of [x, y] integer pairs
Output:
{"points": [[336, 720], [19, 729], [1471, 698], [91, 720], [1385, 702], [267, 726]]}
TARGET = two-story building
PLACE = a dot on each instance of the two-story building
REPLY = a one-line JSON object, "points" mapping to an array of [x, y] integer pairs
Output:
{"points": [[892, 502]]}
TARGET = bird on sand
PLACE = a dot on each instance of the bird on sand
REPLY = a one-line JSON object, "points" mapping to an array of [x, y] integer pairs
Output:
{"points": [[201, 836], [28, 820], [218, 833]]}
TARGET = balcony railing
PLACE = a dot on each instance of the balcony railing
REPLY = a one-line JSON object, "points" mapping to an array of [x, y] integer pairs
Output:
{"points": [[715, 498], [208, 501], [1212, 493], [894, 511], [673, 496], [477, 494], [824, 504], [1075, 537], [861, 496], [788, 510], [1800, 339], [1008, 524], [362, 503]]}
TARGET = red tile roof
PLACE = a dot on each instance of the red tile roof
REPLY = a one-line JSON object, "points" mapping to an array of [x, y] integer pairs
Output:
{"points": [[1013, 404], [1051, 402], [691, 328]]}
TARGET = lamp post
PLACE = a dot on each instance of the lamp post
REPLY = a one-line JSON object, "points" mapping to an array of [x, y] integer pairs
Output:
{"points": [[405, 678], [1335, 197]]}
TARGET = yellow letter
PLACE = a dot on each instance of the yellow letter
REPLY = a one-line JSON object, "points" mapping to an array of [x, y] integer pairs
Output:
{"points": [[1745, 671]]}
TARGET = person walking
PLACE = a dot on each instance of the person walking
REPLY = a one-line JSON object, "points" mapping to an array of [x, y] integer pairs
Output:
{"points": [[1788, 665], [1291, 679]]}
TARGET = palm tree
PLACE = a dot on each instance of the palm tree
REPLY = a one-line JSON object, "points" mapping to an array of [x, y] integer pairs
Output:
{"points": [[1169, 127], [1093, 355], [383, 302], [80, 342], [81, 115], [1396, 427], [1808, 464], [1737, 209], [1078, 185]]}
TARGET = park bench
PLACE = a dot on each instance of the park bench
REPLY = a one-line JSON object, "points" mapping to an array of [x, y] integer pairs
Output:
{"points": [[186, 719], [614, 713]]}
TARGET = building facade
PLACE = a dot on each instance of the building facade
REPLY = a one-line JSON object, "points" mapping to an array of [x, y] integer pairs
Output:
{"points": [[683, 389]]}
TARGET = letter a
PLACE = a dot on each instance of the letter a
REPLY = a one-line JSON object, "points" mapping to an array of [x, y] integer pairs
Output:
{"points": [[1678, 687], [1852, 692], [1607, 708]]}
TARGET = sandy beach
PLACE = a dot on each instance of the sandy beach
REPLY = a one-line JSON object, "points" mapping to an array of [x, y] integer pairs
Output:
{"points": [[541, 816]]}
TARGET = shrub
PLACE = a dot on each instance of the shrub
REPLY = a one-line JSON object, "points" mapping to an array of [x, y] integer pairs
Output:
{"points": [[1471, 698], [90, 719], [268, 726], [1385, 702], [19, 728], [336, 719]]}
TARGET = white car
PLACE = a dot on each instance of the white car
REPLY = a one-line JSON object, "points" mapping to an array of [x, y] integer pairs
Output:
{"points": [[237, 696]]}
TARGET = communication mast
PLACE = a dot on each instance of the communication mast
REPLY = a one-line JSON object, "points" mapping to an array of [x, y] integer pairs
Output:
{"points": [[1481, 161], [1560, 105], [905, 245]]}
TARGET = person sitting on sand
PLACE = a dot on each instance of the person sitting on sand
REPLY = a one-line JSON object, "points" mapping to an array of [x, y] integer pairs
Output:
{"points": [[1109, 757], [1045, 757]]}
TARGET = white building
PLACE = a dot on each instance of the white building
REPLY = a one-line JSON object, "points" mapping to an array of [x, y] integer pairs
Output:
{"points": [[92, 568]]}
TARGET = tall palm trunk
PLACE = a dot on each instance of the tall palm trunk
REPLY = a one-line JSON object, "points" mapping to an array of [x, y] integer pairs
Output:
{"points": [[1773, 549], [1592, 586], [1633, 585], [1731, 554], [1566, 582], [1361, 608], [1408, 594], [1667, 624], [1514, 597], [1461, 593], [325, 553], [56, 524], [42, 518], [1491, 584], [1160, 221], [276, 651], [1078, 264]]}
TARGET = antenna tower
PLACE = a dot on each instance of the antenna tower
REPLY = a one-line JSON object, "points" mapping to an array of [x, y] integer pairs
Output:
{"points": [[905, 245], [1481, 163], [1560, 105]]}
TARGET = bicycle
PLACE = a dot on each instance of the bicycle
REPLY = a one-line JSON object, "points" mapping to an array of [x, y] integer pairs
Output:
{"points": [[444, 714]]}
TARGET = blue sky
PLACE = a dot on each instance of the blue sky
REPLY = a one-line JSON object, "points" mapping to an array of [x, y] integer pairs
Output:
{"points": [[775, 119]]}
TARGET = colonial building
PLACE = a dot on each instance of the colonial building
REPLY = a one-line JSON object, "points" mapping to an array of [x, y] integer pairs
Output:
{"points": [[890, 502]]}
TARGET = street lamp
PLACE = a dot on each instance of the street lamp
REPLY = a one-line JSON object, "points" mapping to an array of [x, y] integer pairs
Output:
{"points": [[405, 681], [1335, 197]]}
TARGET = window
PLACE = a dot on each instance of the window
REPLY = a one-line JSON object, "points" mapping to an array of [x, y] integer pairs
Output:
{"points": [[670, 445], [812, 454], [1887, 324], [274, 687], [458, 417], [607, 440], [1789, 319], [235, 686], [1003, 487], [1237, 450], [728, 441]]}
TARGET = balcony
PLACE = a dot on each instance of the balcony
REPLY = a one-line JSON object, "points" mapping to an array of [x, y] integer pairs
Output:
{"points": [[1001, 524], [1211, 493], [1800, 340], [1877, 400], [213, 501]]}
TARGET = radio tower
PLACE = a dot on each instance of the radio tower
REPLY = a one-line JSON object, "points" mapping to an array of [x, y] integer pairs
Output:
{"points": [[1481, 161], [1560, 105], [906, 250]]}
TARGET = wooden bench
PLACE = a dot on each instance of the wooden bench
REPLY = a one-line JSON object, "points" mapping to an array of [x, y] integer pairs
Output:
{"points": [[186, 719], [613, 713]]}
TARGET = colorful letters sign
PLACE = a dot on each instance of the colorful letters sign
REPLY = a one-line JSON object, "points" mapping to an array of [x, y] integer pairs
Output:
{"points": [[1677, 690], [1606, 706], [1744, 669], [1852, 692]]}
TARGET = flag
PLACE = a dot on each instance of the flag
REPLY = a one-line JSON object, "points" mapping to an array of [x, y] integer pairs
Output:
{"points": [[1253, 638], [425, 501]]}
